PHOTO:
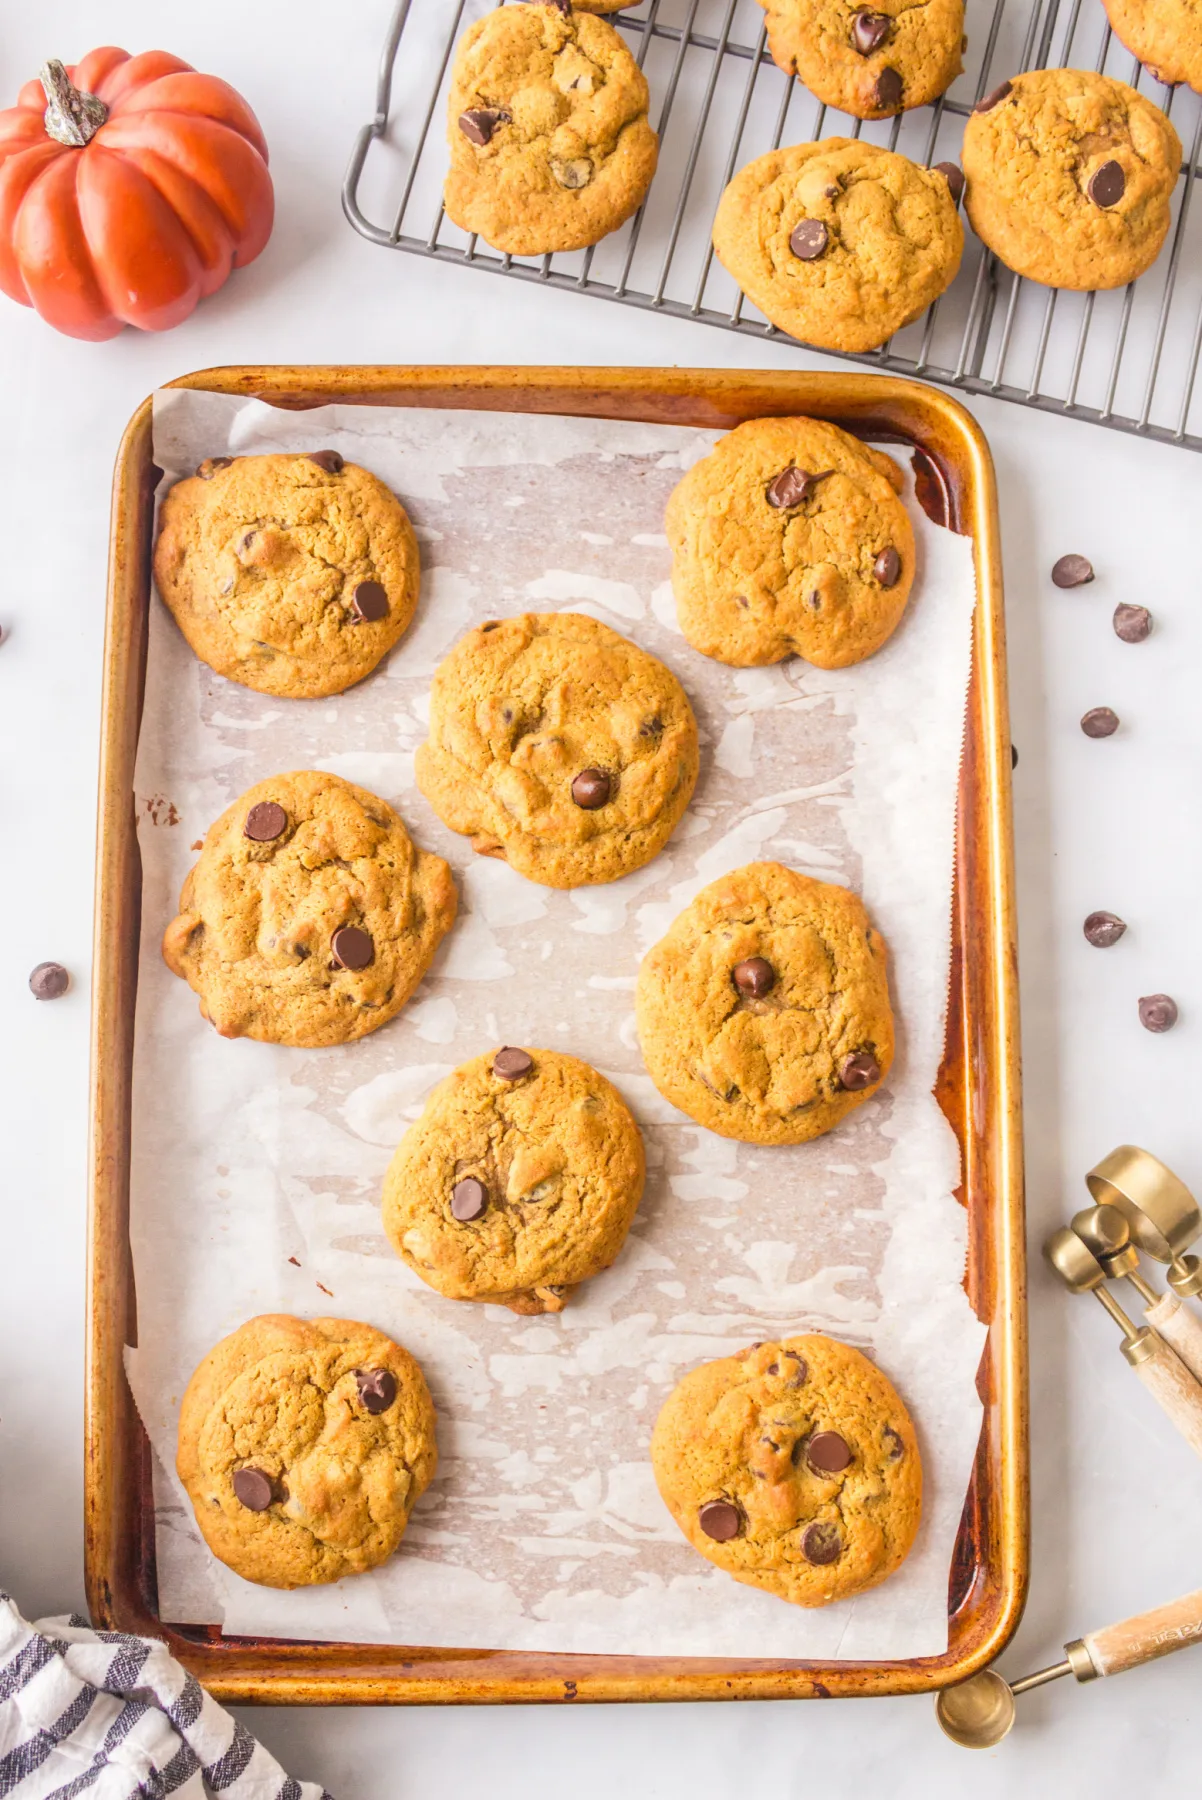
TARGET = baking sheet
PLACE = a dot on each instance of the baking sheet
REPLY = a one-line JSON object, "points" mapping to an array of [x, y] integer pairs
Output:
{"points": [[256, 1169]]}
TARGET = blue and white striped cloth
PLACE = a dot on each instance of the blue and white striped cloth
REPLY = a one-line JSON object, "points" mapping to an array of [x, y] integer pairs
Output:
{"points": [[116, 1718]]}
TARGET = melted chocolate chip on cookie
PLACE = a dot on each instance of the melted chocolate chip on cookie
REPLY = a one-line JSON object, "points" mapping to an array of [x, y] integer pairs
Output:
{"points": [[755, 977], [254, 1489], [809, 240], [821, 1543], [377, 1388], [265, 822], [352, 948], [469, 1198], [720, 1520], [591, 789], [869, 31]]}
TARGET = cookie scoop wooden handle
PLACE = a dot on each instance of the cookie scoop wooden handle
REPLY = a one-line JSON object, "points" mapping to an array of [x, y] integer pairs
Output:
{"points": [[1180, 1327], [1169, 1382], [1133, 1641]]}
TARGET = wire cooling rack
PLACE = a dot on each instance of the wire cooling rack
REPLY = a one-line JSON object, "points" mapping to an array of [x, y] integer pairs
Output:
{"points": [[1127, 358]]}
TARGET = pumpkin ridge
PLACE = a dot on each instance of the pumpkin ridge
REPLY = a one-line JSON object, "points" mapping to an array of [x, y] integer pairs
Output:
{"points": [[228, 169], [198, 96], [146, 265]]}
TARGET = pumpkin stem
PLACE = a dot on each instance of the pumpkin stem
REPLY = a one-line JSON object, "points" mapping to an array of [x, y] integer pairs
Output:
{"points": [[71, 117]]}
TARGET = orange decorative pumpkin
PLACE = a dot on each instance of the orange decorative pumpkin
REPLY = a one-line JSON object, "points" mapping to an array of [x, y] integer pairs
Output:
{"points": [[130, 186]]}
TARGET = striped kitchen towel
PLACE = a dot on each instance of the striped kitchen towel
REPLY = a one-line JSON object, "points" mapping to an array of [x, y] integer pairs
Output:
{"points": [[116, 1718]]}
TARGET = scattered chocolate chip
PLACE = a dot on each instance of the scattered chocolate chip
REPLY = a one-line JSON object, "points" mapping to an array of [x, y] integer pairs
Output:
{"points": [[49, 981], [774, 1368], [1158, 1012], [254, 1489], [329, 460], [869, 31], [792, 486], [511, 1064], [797, 1376], [815, 600], [832, 190], [720, 1520], [1100, 722], [1072, 571], [652, 728], [887, 567], [754, 978], [265, 822], [953, 174], [1107, 185], [809, 239], [591, 789], [480, 122], [1132, 623], [894, 1443], [352, 948], [859, 1070], [827, 1452], [821, 1543], [1104, 929], [377, 1388], [987, 102], [369, 602], [887, 94], [574, 173], [1013, 756], [209, 467], [469, 1198], [742, 600]]}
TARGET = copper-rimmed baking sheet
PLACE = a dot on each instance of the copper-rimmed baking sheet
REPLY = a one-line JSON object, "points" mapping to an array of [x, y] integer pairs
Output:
{"points": [[988, 1568]]}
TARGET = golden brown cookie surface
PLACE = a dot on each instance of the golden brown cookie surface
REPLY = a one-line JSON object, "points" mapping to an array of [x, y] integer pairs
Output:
{"points": [[869, 61], [839, 243], [310, 916], [518, 1182], [794, 1467], [551, 147], [764, 1011], [559, 745], [1069, 177], [303, 1445], [1166, 35], [789, 539], [293, 575]]}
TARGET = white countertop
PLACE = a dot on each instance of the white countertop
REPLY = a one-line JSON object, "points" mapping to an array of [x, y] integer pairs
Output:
{"points": [[1113, 824]]}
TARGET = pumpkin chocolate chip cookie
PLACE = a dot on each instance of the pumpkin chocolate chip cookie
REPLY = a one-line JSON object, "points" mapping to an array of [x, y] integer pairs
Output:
{"points": [[839, 243], [560, 746], [1166, 35], [303, 1445], [1070, 175], [518, 1182], [794, 1467], [293, 575], [310, 917], [789, 539], [869, 61], [551, 147], [764, 1012]]}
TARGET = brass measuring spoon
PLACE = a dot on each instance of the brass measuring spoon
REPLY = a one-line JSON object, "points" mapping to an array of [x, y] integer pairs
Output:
{"points": [[1162, 1213], [1107, 1232]]}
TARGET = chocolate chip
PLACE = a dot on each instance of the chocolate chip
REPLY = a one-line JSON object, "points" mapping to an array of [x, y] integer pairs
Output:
{"points": [[329, 460], [1100, 722], [809, 239], [953, 174], [1104, 929], [591, 789], [1107, 185], [377, 1388], [754, 978], [827, 1452], [209, 467], [894, 1444], [49, 981], [887, 94], [797, 1376], [1132, 623], [887, 567], [574, 172], [352, 948], [869, 31], [1158, 1012], [511, 1064], [859, 1070], [987, 102], [821, 1543], [479, 123], [1013, 756], [469, 1198], [792, 486], [1072, 571], [370, 602], [254, 1489], [265, 822], [720, 1520]]}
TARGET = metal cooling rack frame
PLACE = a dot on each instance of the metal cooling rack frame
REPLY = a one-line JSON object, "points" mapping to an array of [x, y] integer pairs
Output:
{"points": [[1127, 359]]}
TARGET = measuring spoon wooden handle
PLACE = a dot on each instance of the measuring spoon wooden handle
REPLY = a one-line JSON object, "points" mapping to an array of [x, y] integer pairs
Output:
{"points": [[1179, 1326], [1147, 1636], [1171, 1385]]}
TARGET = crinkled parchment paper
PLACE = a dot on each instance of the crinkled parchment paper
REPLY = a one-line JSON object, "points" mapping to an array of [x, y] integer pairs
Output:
{"points": [[257, 1169]]}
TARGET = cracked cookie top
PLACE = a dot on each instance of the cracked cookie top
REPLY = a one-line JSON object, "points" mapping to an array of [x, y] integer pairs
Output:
{"points": [[764, 1012], [293, 575], [868, 60], [518, 1182], [793, 1466]]}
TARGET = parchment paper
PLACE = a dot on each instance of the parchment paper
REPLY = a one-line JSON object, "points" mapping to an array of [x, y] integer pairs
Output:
{"points": [[257, 1169]]}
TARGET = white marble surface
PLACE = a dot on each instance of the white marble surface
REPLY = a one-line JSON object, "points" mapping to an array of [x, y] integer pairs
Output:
{"points": [[1114, 824]]}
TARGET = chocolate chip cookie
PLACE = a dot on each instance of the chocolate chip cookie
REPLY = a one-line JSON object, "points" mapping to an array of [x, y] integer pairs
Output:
{"points": [[839, 243], [293, 575], [560, 746], [551, 147], [310, 917], [789, 539], [518, 1182], [794, 1467], [764, 1012], [303, 1445], [869, 61], [1166, 35], [1070, 175]]}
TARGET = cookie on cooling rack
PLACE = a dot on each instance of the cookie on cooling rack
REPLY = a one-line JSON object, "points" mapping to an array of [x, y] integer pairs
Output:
{"points": [[1166, 35], [869, 61]]}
